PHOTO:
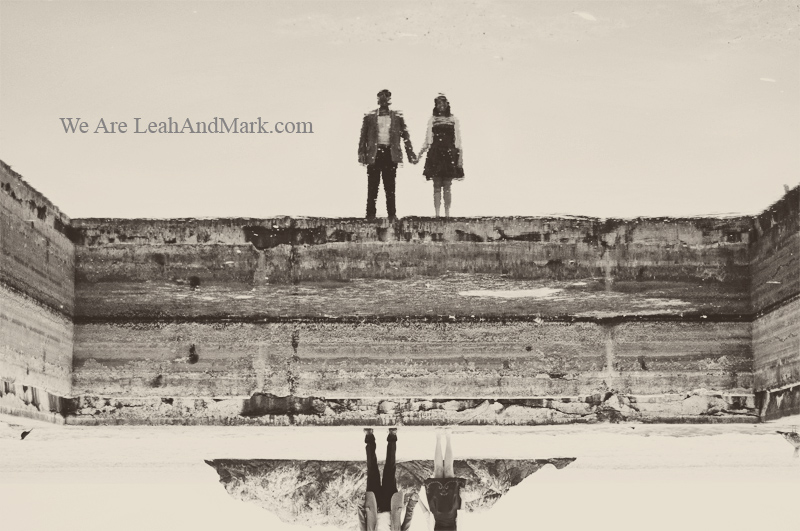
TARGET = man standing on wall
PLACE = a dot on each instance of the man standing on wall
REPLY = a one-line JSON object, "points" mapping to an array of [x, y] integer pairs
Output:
{"points": [[379, 149]]}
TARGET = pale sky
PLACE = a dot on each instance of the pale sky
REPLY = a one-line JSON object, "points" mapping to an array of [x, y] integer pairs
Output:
{"points": [[609, 109]]}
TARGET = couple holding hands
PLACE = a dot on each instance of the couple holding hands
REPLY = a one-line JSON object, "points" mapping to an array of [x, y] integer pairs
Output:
{"points": [[379, 149], [383, 506]]}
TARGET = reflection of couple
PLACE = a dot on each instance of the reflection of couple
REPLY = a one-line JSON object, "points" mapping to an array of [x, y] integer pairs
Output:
{"points": [[379, 149], [382, 507]]}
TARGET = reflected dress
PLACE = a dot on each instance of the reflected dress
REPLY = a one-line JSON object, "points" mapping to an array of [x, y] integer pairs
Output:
{"points": [[444, 500]]}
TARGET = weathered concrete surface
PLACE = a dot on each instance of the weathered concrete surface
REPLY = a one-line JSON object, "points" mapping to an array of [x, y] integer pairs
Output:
{"points": [[328, 493], [698, 406], [36, 257], [345, 310], [306, 250], [35, 344], [779, 403], [36, 301], [357, 359], [776, 344], [33, 403], [776, 298], [775, 255], [456, 294]]}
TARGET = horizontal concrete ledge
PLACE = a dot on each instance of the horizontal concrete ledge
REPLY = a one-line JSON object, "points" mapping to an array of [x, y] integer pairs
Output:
{"points": [[268, 233], [309, 421], [269, 410], [356, 319]]}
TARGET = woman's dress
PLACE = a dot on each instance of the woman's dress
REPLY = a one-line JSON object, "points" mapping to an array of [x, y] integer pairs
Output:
{"points": [[444, 153]]}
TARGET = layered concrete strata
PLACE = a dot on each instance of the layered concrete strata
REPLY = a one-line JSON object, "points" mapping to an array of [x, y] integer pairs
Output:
{"points": [[775, 267], [37, 299], [411, 358], [417, 321]]}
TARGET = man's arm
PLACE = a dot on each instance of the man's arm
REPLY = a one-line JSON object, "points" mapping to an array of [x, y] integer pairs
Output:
{"points": [[412, 502], [362, 513], [412, 157], [362, 142]]}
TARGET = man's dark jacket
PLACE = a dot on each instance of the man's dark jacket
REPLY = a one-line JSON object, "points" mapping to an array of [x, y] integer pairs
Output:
{"points": [[368, 144]]}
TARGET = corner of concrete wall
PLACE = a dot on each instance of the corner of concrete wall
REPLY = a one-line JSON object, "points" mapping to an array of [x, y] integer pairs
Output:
{"points": [[37, 301], [775, 293]]}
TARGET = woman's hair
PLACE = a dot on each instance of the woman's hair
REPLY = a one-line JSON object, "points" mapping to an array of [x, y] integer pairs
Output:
{"points": [[447, 106]]}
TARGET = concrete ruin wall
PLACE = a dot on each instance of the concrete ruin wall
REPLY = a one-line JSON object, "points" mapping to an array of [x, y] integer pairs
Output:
{"points": [[203, 321], [776, 303], [37, 300], [332, 321]]}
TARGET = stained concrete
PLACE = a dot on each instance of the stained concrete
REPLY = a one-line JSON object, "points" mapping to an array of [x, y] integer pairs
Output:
{"points": [[775, 267], [347, 310], [486, 310], [468, 358], [37, 296], [699, 406], [37, 257]]}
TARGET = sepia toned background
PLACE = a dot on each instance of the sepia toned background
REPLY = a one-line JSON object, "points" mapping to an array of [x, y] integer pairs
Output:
{"points": [[590, 108], [613, 109]]}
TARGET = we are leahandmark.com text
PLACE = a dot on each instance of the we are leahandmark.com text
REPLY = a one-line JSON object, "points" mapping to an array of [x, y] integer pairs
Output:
{"points": [[170, 126]]}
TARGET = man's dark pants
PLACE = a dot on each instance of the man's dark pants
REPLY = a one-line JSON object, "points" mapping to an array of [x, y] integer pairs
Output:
{"points": [[383, 165], [383, 492]]}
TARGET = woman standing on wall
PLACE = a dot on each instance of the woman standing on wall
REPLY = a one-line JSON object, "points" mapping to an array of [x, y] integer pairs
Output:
{"points": [[445, 157], [443, 490]]}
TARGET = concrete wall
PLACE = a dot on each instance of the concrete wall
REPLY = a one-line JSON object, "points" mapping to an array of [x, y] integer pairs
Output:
{"points": [[314, 320], [286, 250], [173, 313], [37, 300], [775, 266]]}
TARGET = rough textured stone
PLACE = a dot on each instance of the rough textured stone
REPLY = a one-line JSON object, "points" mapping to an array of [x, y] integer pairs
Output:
{"points": [[260, 409], [36, 299], [315, 320], [36, 256], [775, 268]]}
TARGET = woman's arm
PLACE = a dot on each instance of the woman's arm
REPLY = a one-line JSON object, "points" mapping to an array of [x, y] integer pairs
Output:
{"points": [[428, 138], [458, 141]]}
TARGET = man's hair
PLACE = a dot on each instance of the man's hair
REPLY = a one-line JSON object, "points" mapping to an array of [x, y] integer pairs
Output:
{"points": [[385, 91]]}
